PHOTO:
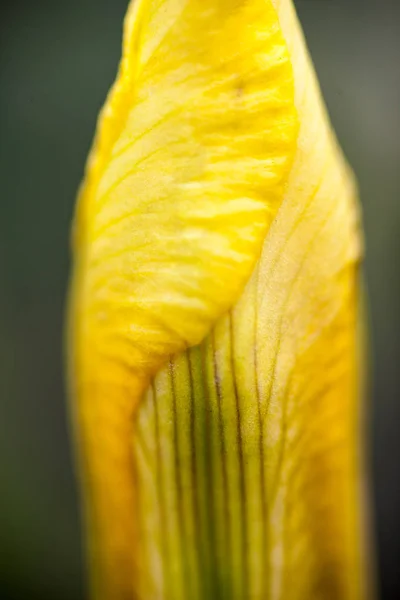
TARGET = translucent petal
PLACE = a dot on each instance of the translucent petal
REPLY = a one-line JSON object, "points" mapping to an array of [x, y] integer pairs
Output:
{"points": [[214, 315]]}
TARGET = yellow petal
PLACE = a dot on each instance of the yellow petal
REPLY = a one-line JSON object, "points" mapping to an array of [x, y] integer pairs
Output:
{"points": [[217, 207], [194, 147]]}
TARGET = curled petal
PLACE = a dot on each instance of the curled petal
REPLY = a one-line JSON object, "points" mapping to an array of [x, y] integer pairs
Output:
{"points": [[214, 317]]}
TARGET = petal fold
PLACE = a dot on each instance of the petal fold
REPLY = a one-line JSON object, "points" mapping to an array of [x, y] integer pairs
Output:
{"points": [[214, 317]]}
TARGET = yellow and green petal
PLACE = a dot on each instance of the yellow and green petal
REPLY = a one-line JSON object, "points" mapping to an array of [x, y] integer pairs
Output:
{"points": [[214, 315]]}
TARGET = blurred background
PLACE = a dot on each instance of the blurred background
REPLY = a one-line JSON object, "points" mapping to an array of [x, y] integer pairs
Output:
{"points": [[57, 61]]}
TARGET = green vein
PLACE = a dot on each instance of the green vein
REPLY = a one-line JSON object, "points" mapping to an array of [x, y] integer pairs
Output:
{"points": [[221, 431], [242, 485], [160, 494]]}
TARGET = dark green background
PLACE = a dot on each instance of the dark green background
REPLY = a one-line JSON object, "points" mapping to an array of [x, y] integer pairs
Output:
{"points": [[57, 60]]}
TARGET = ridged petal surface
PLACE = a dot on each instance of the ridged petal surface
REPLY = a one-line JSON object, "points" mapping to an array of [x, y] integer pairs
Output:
{"points": [[214, 328]]}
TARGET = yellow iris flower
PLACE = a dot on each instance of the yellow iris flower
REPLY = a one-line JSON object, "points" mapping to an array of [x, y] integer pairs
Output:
{"points": [[214, 318]]}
